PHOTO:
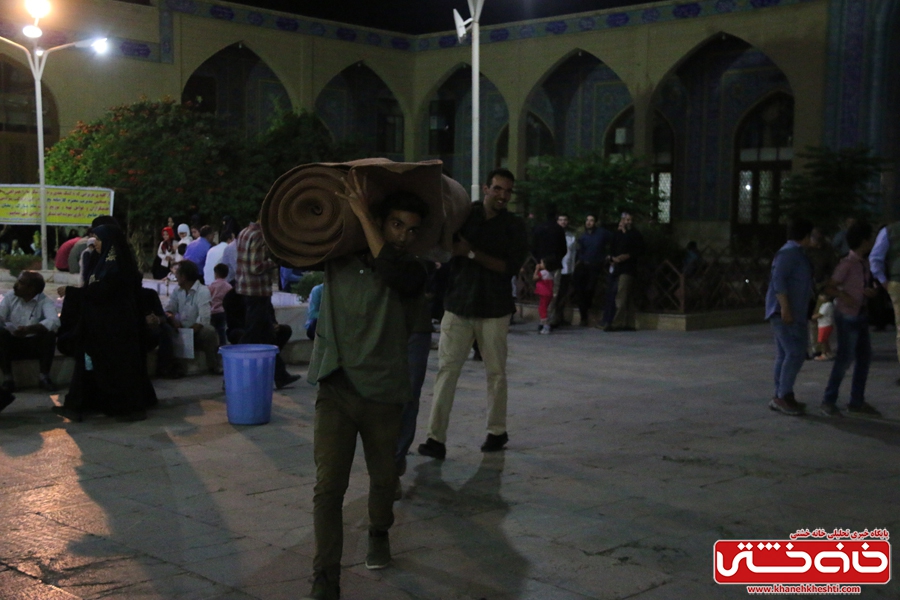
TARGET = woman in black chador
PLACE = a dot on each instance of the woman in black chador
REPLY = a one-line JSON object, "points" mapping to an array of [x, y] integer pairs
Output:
{"points": [[108, 340]]}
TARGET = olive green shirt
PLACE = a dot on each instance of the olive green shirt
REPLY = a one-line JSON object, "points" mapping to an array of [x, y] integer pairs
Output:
{"points": [[367, 314]]}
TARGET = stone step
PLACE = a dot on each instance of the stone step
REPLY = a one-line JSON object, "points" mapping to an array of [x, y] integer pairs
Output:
{"points": [[27, 372]]}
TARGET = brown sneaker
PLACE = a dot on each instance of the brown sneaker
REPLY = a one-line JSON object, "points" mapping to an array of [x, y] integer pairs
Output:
{"points": [[782, 405]]}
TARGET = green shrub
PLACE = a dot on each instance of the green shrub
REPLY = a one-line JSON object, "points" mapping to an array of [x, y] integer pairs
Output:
{"points": [[588, 184], [310, 280], [22, 262]]}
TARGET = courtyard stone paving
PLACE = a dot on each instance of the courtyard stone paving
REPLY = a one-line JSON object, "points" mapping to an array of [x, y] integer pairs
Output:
{"points": [[630, 454]]}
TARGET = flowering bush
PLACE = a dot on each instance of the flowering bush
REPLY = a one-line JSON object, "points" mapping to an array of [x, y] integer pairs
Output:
{"points": [[167, 159]]}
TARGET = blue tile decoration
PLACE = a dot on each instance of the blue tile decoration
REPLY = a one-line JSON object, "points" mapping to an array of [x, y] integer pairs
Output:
{"points": [[601, 19], [705, 102], [135, 49], [221, 12], [349, 106], [346, 34], [494, 117], [617, 20], [650, 15], [556, 27], [686, 11], [399, 43], [726, 6], [287, 24], [183, 6], [499, 35]]}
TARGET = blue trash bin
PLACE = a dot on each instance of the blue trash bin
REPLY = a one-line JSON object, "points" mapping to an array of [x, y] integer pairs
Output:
{"points": [[249, 380]]}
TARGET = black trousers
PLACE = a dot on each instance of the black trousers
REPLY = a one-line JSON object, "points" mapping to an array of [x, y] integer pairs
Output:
{"points": [[259, 328], [40, 346]]}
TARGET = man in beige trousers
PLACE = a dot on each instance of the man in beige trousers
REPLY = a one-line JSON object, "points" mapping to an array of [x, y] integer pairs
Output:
{"points": [[491, 248]]}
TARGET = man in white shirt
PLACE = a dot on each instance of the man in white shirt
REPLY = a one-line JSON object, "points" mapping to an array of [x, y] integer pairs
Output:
{"points": [[214, 257], [562, 288], [29, 329], [189, 307]]}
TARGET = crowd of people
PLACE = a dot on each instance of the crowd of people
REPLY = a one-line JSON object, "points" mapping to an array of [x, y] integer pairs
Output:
{"points": [[817, 289], [372, 321], [570, 266], [109, 321]]}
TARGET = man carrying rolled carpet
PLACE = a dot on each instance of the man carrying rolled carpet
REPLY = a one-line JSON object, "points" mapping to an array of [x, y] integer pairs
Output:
{"points": [[360, 364]]}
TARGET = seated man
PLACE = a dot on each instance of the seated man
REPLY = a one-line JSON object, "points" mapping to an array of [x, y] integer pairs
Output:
{"points": [[189, 306], [159, 333], [29, 328], [235, 315]]}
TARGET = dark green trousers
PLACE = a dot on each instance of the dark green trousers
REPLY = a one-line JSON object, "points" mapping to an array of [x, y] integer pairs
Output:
{"points": [[341, 415]]}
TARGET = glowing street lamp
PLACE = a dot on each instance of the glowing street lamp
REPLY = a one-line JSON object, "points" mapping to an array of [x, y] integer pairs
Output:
{"points": [[462, 28], [37, 60]]}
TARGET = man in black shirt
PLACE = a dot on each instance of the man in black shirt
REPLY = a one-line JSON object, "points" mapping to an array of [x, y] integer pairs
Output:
{"points": [[490, 250], [627, 246]]}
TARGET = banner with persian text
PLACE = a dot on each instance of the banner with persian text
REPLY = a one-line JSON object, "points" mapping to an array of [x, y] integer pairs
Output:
{"points": [[21, 204]]}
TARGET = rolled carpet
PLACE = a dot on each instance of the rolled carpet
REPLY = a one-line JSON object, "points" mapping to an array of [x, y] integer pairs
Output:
{"points": [[304, 223]]}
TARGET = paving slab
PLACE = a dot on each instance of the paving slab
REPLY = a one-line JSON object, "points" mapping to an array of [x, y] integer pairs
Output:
{"points": [[630, 454]]}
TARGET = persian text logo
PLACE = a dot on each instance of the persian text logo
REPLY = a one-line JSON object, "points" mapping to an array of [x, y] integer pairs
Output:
{"points": [[829, 558]]}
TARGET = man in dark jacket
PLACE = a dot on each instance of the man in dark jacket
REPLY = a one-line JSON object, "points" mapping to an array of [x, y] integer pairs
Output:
{"points": [[627, 246]]}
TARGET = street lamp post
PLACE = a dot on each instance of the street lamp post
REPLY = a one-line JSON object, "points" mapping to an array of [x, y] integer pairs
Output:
{"points": [[462, 27], [37, 60]]}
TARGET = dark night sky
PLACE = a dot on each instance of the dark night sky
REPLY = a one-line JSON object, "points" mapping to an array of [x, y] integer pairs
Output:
{"points": [[428, 16]]}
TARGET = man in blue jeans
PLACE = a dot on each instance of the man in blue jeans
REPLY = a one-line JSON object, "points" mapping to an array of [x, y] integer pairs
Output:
{"points": [[787, 306], [851, 286]]}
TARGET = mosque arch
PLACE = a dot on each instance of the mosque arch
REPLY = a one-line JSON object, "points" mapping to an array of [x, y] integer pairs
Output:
{"points": [[763, 158], [240, 88], [446, 123], [711, 41], [357, 105], [578, 98], [18, 122], [438, 83], [704, 95]]}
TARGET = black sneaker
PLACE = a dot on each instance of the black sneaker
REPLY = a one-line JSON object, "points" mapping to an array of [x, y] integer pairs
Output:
{"points": [[831, 410], [494, 443], [286, 381], [379, 554], [865, 410], [324, 589], [433, 449]]}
